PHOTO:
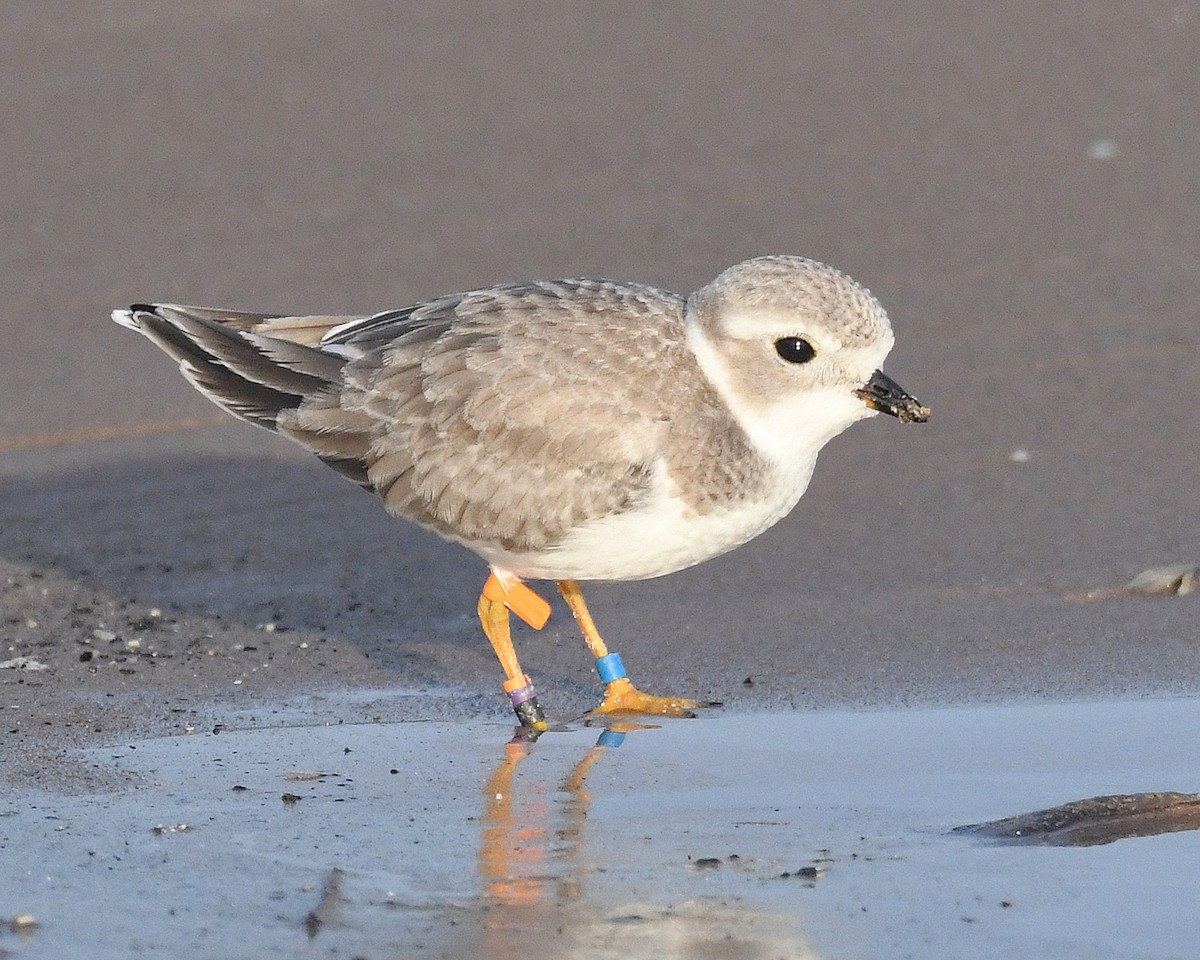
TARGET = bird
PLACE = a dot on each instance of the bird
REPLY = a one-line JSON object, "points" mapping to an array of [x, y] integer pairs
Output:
{"points": [[570, 430]]}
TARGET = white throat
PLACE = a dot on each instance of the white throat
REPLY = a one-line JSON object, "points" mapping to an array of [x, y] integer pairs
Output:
{"points": [[790, 432]]}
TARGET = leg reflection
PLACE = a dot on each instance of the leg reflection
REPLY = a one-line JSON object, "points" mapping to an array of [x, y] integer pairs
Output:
{"points": [[514, 842], [535, 865], [526, 879]]}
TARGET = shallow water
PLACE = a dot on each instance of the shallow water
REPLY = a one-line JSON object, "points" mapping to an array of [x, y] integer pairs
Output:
{"points": [[769, 835]]}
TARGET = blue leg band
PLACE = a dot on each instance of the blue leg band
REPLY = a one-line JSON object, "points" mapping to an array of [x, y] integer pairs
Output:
{"points": [[611, 668], [609, 738]]}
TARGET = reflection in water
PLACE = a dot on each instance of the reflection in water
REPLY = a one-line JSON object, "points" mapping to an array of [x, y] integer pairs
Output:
{"points": [[534, 866], [512, 844], [522, 890]]}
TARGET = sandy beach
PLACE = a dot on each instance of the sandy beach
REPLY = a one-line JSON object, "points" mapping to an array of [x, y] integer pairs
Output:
{"points": [[1015, 184]]}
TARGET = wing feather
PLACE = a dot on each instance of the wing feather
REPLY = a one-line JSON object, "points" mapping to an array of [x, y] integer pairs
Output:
{"points": [[509, 426]]}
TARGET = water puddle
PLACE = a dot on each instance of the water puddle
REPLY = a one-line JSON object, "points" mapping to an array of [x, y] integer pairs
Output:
{"points": [[733, 836]]}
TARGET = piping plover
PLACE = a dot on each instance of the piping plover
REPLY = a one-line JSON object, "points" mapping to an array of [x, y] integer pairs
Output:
{"points": [[567, 429]]}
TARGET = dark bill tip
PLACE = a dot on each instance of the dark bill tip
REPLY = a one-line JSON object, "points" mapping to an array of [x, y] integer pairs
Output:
{"points": [[884, 394]]}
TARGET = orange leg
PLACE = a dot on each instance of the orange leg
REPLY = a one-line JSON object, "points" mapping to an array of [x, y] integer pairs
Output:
{"points": [[494, 616], [620, 695]]}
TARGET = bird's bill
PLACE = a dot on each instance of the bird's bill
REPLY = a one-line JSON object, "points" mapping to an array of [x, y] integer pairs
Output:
{"points": [[884, 394]]}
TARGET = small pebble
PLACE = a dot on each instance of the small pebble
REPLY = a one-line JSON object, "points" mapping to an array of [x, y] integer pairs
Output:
{"points": [[23, 663], [1178, 579], [805, 873]]}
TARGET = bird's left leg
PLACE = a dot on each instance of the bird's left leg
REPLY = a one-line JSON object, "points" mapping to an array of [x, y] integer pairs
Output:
{"points": [[620, 695]]}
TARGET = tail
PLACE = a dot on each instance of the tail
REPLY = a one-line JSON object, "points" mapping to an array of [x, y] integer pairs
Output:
{"points": [[232, 359], [261, 368]]}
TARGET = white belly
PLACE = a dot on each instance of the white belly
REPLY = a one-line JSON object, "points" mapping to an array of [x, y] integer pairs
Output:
{"points": [[662, 536]]}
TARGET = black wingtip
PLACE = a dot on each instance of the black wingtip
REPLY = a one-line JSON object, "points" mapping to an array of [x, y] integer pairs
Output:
{"points": [[143, 308]]}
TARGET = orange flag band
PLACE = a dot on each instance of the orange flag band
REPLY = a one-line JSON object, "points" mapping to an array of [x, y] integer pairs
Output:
{"points": [[519, 599]]}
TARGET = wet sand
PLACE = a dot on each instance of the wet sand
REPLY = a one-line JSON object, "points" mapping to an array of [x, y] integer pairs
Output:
{"points": [[755, 835], [1016, 185]]}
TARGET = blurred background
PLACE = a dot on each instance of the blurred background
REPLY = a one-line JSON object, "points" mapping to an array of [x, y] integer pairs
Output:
{"points": [[1015, 181]]}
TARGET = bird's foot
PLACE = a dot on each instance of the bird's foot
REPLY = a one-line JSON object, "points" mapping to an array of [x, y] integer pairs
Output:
{"points": [[621, 696]]}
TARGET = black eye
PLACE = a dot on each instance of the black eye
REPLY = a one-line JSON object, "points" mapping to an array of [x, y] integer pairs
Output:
{"points": [[795, 349]]}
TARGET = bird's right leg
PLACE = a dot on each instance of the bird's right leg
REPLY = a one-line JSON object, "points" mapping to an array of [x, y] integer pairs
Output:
{"points": [[493, 614]]}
